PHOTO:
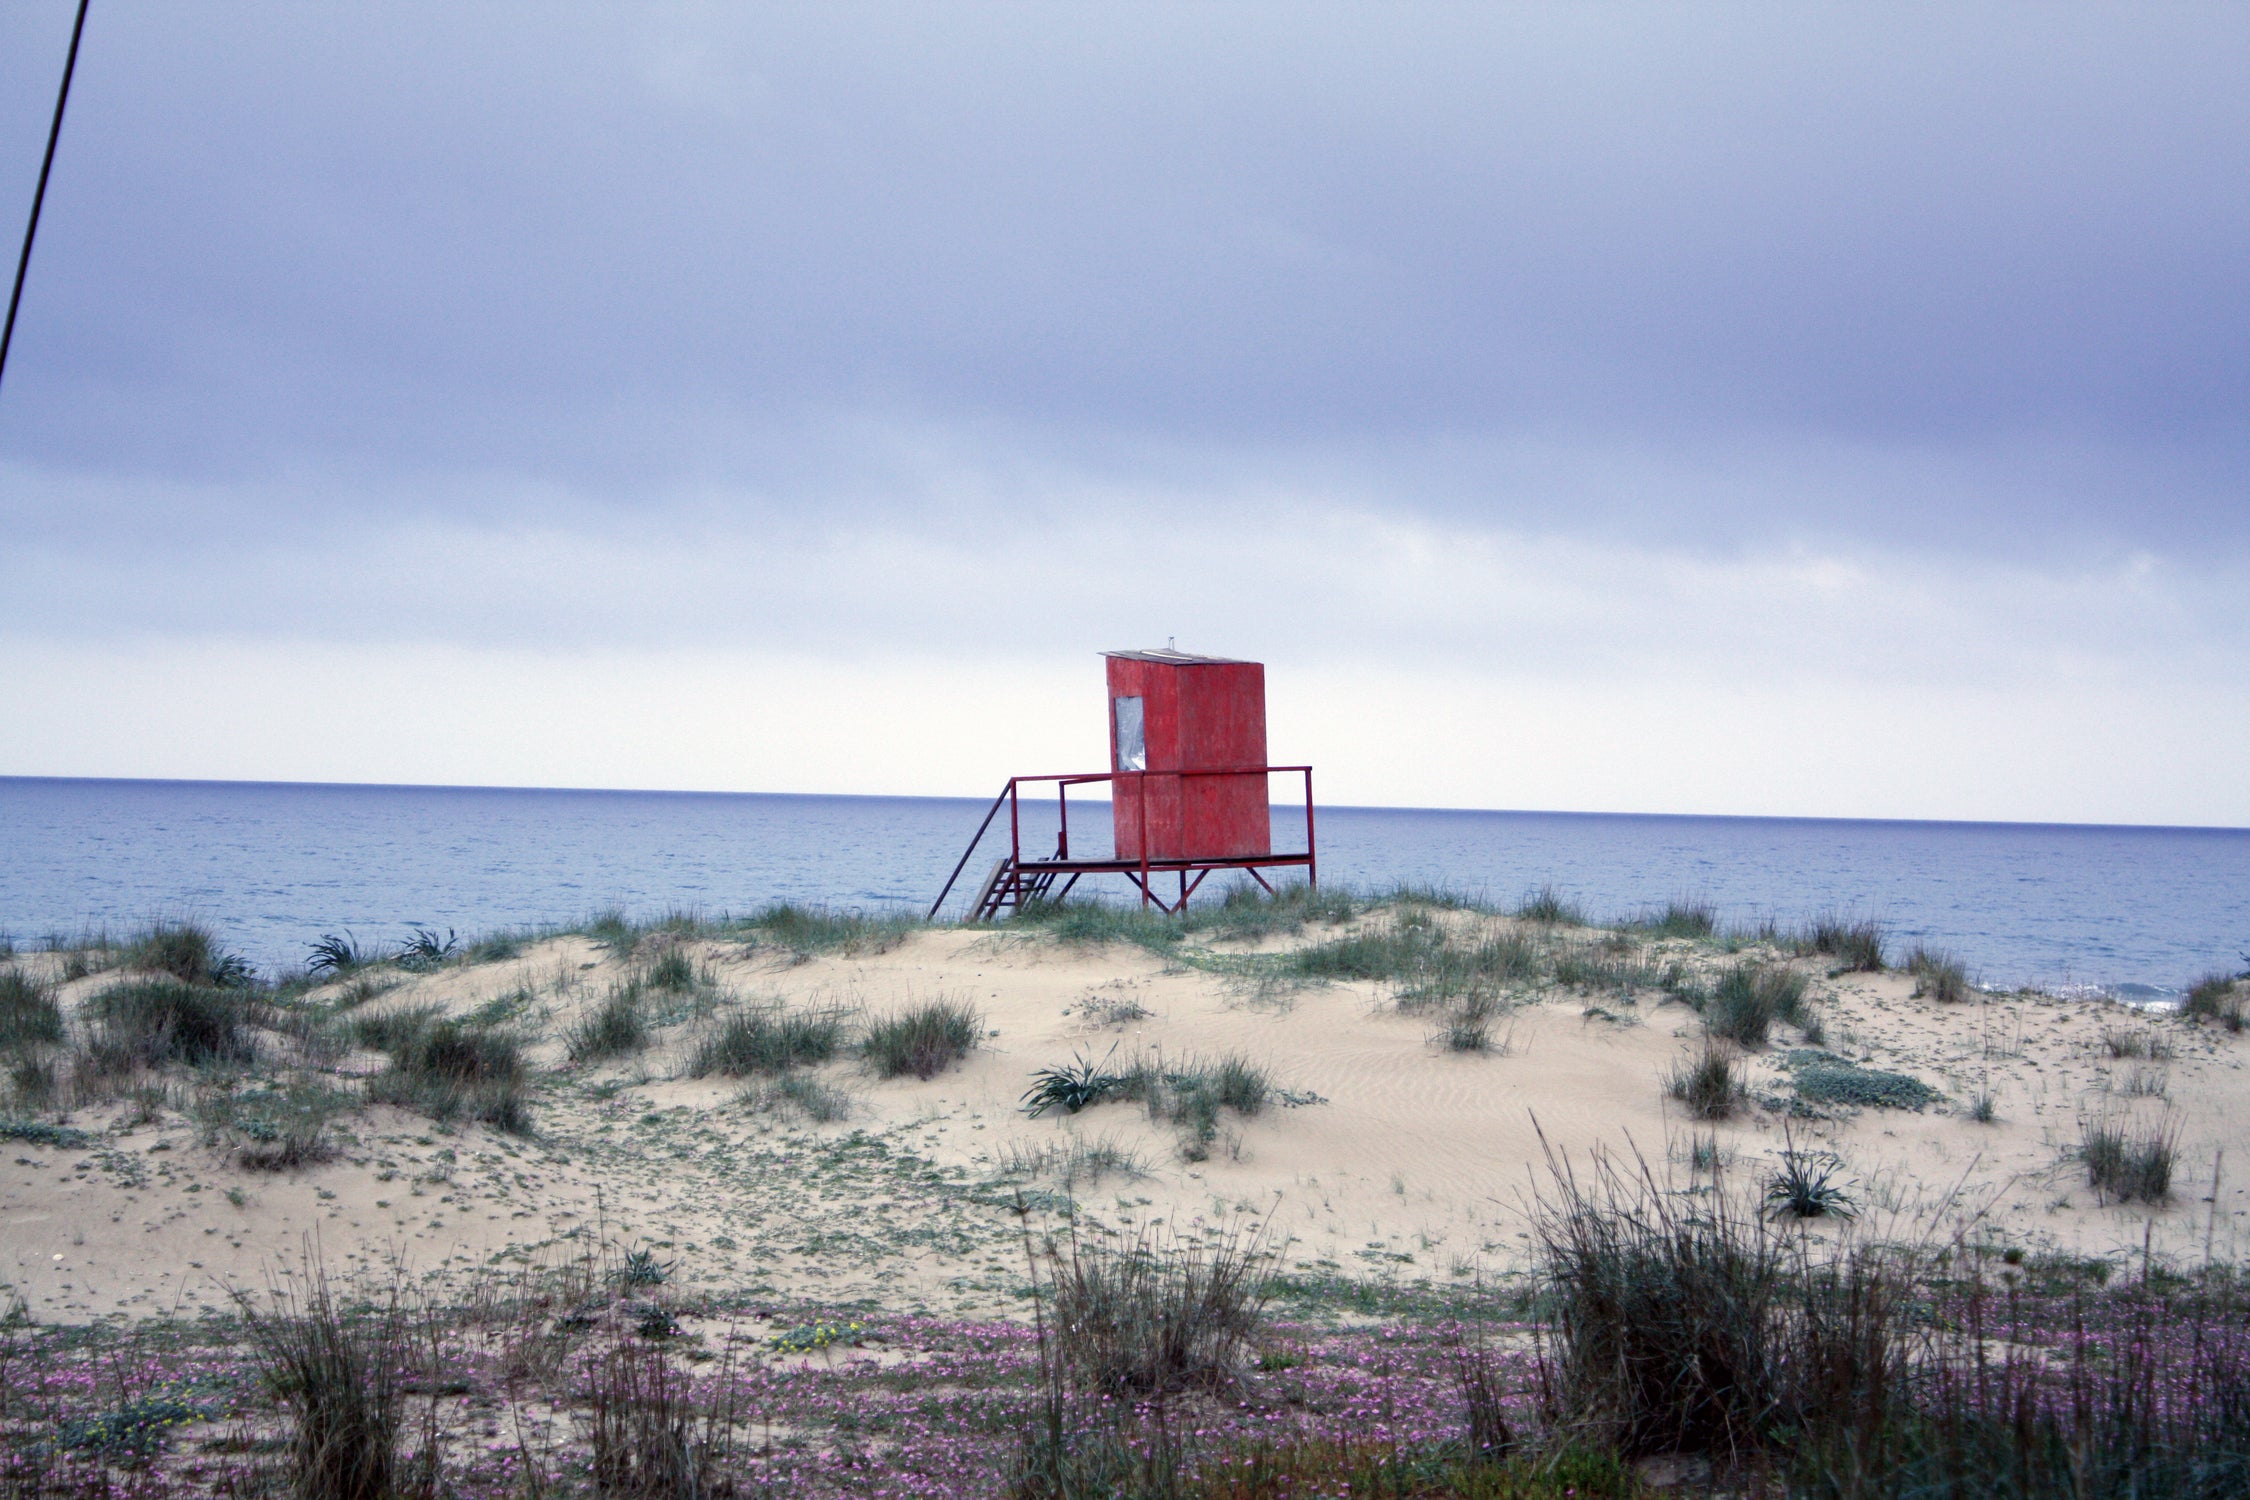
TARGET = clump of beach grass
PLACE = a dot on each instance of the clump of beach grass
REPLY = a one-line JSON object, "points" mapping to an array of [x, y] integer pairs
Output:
{"points": [[342, 1373], [1706, 1084], [671, 971], [1550, 908], [1749, 998], [616, 1027], [1140, 1315], [189, 952], [29, 1013], [1469, 1026], [802, 932], [271, 1126], [797, 1093], [1938, 976], [1073, 1160], [1854, 943], [922, 1040], [147, 1023], [766, 1039], [1684, 917], [447, 1068], [2129, 1162], [2136, 1042], [2218, 997]]}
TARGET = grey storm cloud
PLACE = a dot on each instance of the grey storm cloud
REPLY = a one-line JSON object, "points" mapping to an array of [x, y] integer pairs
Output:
{"points": [[1963, 276]]}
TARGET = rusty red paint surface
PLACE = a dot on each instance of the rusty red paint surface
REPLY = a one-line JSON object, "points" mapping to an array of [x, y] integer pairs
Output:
{"points": [[1197, 714]]}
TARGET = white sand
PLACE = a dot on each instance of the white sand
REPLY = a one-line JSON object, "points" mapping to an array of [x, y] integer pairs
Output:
{"points": [[1416, 1164]]}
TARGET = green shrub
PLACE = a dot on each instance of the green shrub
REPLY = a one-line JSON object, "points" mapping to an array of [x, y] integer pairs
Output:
{"points": [[151, 1022], [29, 1016], [43, 1133], [769, 1039], [923, 1041]]}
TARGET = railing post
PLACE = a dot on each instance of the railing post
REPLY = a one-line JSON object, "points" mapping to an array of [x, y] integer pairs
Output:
{"points": [[1312, 855], [1141, 778]]}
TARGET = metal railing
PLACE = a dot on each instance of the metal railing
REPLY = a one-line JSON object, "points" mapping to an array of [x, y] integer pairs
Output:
{"points": [[1140, 869]]}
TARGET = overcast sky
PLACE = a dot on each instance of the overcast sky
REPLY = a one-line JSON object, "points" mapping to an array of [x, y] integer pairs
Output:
{"points": [[1746, 409]]}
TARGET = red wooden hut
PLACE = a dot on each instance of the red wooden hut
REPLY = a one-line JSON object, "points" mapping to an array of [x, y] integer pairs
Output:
{"points": [[1188, 783]]}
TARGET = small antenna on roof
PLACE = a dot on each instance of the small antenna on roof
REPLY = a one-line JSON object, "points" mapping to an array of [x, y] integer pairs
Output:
{"points": [[1171, 643]]}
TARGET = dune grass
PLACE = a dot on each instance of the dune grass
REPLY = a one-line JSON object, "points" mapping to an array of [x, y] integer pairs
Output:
{"points": [[1938, 976], [450, 1068], [188, 952], [617, 1027], [767, 1039], [1684, 917], [922, 1040], [148, 1023], [2218, 997], [1706, 1084], [2129, 1162], [29, 1015], [1854, 944], [1750, 998], [1550, 907]]}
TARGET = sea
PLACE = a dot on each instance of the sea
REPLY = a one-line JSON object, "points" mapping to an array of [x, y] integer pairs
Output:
{"points": [[2138, 912]]}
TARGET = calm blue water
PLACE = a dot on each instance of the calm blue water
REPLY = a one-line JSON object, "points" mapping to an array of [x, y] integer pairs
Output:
{"points": [[273, 866]]}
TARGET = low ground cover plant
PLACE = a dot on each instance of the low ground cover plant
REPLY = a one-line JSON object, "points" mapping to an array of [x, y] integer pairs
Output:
{"points": [[1823, 1078]]}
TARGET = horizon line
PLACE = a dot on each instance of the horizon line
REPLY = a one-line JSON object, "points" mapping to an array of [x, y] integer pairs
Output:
{"points": [[1534, 812]]}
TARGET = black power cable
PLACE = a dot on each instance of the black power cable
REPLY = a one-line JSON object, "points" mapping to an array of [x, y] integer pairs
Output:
{"points": [[54, 132]]}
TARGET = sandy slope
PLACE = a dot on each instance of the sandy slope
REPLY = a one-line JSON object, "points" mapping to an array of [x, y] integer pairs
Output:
{"points": [[1414, 1163]]}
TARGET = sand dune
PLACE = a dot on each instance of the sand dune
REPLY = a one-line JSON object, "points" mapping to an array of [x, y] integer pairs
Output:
{"points": [[1388, 1156]]}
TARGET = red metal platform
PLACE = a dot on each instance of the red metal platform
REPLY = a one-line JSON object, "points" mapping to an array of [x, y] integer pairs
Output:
{"points": [[1015, 881]]}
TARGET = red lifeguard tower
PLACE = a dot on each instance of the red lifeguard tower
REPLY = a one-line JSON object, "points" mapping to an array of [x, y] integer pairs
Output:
{"points": [[1188, 783]]}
